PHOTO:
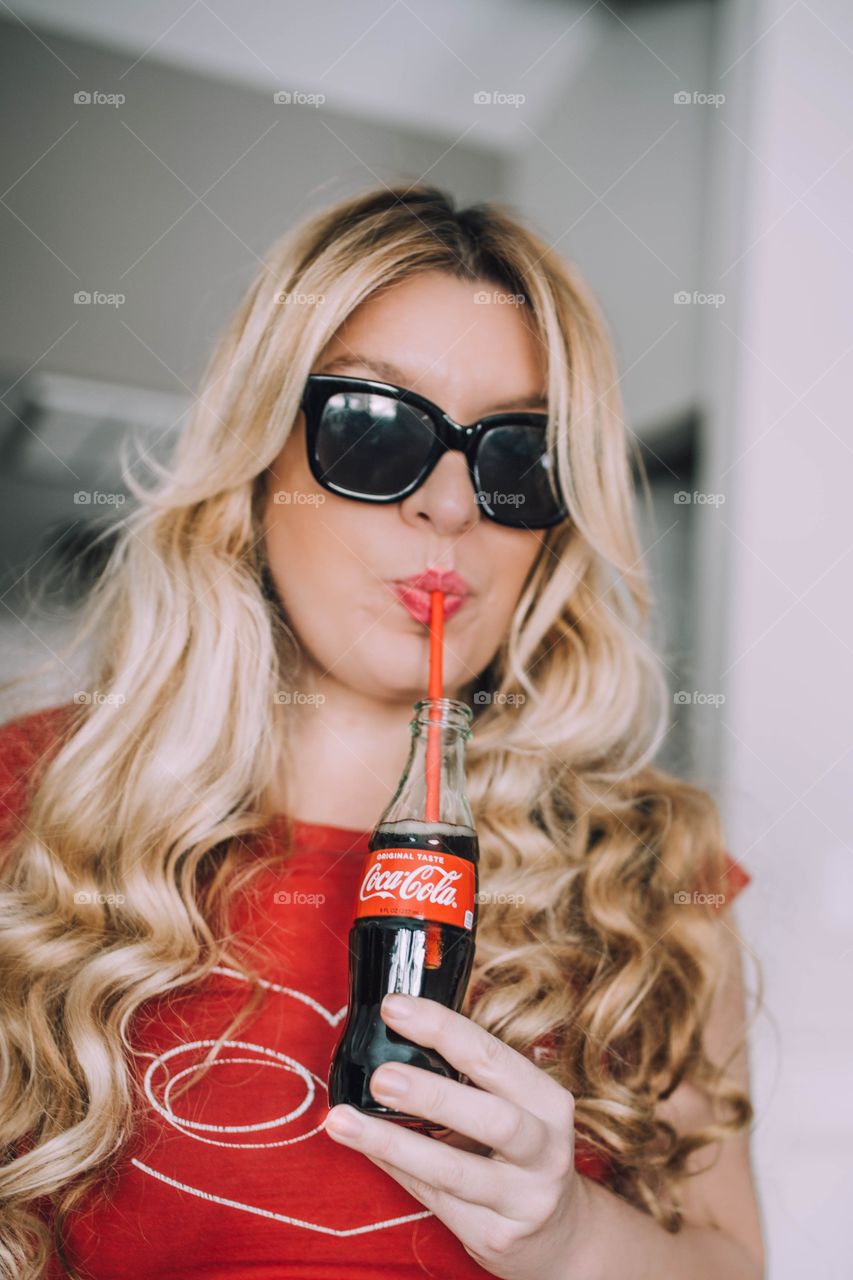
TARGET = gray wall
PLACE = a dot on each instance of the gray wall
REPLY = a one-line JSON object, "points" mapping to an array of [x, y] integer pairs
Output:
{"points": [[86, 200], [618, 134], [99, 198]]}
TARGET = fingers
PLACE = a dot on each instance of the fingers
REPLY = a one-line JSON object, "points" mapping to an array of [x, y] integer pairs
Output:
{"points": [[454, 1139], [476, 1226], [434, 1166], [487, 1061], [519, 1137]]}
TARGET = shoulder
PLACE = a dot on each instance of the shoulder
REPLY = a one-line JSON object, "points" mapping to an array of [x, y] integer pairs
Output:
{"points": [[736, 877], [26, 745], [722, 883]]}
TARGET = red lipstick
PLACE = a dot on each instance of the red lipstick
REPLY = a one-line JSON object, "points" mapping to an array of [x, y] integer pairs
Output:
{"points": [[414, 592]]}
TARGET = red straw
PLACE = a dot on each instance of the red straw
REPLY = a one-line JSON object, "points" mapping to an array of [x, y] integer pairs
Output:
{"points": [[433, 760]]}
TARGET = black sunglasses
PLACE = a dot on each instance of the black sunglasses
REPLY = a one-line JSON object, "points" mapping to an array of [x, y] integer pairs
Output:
{"points": [[376, 442]]}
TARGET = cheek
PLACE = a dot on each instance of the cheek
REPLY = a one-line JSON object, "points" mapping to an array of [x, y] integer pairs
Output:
{"points": [[320, 536], [506, 558], [308, 556], [295, 520], [511, 555], [329, 563]]}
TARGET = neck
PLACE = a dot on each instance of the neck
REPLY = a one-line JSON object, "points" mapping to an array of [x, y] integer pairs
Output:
{"points": [[347, 752]]}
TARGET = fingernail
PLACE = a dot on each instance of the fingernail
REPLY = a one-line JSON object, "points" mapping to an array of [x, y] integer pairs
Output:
{"points": [[397, 1007], [389, 1081], [344, 1121]]}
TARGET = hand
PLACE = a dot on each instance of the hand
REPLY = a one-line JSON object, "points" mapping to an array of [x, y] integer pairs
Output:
{"points": [[516, 1211]]}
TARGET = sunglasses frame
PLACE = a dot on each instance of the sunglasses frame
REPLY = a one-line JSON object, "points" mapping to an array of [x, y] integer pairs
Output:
{"points": [[447, 434]]}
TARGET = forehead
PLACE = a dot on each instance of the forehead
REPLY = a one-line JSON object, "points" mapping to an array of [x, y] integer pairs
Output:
{"points": [[436, 335]]}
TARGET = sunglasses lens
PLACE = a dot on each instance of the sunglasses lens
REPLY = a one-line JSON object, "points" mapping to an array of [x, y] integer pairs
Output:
{"points": [[514, 473], [372, 444]]}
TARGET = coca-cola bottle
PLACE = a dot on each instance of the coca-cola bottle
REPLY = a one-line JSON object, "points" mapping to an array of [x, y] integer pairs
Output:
{"points": [[416, 909]]}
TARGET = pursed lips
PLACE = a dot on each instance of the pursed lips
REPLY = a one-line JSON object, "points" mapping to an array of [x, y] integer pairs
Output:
{"points": [[419, 602]]}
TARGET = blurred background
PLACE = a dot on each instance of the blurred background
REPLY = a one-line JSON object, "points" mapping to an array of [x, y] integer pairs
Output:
{"points": [[695, 160]]}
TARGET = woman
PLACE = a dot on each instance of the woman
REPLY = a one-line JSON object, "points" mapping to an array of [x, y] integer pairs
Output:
{"points": [[189, 831]]}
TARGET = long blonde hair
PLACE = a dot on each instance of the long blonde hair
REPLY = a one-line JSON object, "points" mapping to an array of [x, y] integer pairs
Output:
{"points": [[146, 804]]}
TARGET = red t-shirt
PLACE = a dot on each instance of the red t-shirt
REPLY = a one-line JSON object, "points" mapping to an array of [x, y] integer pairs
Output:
{"points": [[235, 1177]]}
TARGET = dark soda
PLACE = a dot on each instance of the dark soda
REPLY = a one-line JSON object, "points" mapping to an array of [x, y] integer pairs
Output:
{"points": [[414, 929]]}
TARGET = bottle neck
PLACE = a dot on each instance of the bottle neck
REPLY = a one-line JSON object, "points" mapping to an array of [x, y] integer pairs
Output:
{"points": [[453, 716], [439, 730]]}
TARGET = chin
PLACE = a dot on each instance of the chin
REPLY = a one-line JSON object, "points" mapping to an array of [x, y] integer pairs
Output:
{"points": [[397, 677]]}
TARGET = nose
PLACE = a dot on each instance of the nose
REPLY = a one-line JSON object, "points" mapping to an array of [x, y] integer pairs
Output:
{"points": [[446, 498]]}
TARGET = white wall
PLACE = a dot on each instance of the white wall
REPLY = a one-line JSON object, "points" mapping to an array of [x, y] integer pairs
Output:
{"points": [[777, 386]]}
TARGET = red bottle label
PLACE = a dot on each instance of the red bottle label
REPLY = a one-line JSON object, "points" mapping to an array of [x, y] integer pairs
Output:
{"points": [[418, 882]]}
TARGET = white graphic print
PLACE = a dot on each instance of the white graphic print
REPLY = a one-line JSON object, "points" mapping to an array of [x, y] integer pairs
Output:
{"points": [[218, 1134]]}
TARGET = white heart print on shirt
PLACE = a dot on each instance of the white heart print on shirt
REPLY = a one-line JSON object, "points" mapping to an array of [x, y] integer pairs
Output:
{"points": [[167, 1069]]}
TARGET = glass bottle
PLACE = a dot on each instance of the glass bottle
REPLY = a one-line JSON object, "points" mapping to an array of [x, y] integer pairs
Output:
{"points": [[416, 909]]}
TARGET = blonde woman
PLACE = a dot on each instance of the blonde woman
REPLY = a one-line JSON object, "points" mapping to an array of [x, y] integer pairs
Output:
{"points": [[183, 840]]}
